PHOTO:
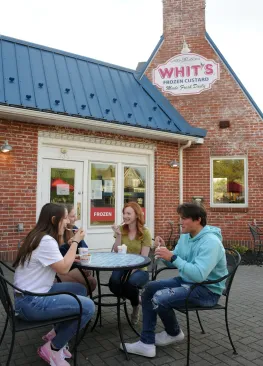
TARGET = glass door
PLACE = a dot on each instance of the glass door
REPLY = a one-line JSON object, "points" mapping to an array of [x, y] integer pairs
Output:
{"points": [[62, 182]]}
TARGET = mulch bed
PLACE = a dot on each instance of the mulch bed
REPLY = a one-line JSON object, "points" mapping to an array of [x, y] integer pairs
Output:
{"points": [[250, 258]]}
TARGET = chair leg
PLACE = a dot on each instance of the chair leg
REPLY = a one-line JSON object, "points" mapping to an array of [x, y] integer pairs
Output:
{"points": [[83, 333], [3, 334], [11, 348], [120, 329], [188, 338], [200, 323], [228, 333]]}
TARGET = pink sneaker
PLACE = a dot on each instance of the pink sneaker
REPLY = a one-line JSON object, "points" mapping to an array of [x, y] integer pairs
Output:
{"points": [[52, 334], [45, 352], [57, 358]]}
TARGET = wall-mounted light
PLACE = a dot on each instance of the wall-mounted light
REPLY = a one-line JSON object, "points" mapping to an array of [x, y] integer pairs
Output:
{"points": [[174, 164], [198, 199], [6, 147]]}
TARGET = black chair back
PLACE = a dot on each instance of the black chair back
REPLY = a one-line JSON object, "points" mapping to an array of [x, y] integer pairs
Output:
{"points": [[5, 298], [257, 235], [233, 260]]}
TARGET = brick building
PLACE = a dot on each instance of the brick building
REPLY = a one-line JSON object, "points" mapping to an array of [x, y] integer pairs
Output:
{"points": [[98, 135], [231, 118]]}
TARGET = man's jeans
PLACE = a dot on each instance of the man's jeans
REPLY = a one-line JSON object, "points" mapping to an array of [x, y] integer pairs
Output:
{"points": [[48, 307], [160, 297], [130, 288]]}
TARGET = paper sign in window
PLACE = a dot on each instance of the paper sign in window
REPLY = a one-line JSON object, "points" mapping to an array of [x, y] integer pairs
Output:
{"points": [[63, 189], [96, 189], [108, 186]]}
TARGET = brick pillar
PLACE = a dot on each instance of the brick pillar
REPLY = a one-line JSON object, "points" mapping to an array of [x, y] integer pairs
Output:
{"points": [[183, 18]]}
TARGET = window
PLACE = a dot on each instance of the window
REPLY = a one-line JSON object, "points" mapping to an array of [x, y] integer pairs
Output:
{"points": [[102, 194], [229, 182], [62, 185], [134, 185]]}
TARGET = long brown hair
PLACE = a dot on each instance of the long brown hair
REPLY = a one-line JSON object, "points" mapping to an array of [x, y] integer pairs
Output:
{"points": [[44, 226], [139, 221]]}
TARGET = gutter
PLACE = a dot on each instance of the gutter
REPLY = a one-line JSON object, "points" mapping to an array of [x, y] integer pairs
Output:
{"points": [[27, 115], [181, 171]]}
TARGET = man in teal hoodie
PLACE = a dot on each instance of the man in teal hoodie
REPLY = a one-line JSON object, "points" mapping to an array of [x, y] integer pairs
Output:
{"points": [[199, 256]]}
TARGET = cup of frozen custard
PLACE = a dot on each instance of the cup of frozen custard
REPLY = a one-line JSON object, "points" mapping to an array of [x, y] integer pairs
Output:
{"points": [[119, 249], [124, 248], [85, 258], [83, 251]]}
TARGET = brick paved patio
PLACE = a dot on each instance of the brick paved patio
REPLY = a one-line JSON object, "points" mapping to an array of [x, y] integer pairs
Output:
{"points": [[101, 347]]}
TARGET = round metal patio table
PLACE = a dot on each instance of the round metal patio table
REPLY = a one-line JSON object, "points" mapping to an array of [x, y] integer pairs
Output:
{"points": [[110, 262]]}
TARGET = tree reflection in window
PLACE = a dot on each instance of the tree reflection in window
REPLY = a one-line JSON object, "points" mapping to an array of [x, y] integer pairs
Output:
{"points": [[229, 181], [134, 185]]}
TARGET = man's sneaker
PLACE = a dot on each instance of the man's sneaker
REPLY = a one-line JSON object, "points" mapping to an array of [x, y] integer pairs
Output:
{"points": [[52, 334], [49, 336], [135, 315], [57, 358], [139, 348], [163, 338]]}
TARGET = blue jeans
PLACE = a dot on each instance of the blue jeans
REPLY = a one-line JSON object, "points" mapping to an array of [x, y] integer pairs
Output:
{"points": [[43, 308], [130, 288], [160, 297]]}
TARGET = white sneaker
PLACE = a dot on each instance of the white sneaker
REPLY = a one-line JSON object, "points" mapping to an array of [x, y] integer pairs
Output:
{"points": [[139, 348], [163, 338]]}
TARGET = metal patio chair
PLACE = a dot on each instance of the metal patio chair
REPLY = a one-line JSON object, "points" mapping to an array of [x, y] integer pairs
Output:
{"points": [[257, 235], [17, 325], [233, 260]]}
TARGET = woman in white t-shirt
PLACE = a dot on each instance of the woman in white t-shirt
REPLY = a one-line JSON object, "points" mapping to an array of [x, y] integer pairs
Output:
{"points": [[37, 263]]}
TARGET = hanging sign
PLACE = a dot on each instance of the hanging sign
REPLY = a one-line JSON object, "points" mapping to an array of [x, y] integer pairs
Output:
{"points": [[186, 74]]}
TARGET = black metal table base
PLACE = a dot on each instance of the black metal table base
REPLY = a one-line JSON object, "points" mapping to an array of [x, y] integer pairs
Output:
{"points": [[120, 301]]}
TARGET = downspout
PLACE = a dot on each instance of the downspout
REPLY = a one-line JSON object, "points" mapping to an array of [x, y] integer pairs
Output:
{"points": [[181, 171]]}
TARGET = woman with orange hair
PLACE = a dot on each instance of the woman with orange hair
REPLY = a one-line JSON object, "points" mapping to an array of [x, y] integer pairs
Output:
{"points": [[138, 239]]}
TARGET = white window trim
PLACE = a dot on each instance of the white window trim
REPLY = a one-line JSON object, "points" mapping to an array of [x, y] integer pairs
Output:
{"points": [[228, 205]]}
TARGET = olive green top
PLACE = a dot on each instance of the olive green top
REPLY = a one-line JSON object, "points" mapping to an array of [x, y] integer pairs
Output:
{"points": [[134, 246]]}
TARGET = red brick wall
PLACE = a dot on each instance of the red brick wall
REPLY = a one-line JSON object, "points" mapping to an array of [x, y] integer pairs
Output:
{"points": [[18, 180], [225, 101]]}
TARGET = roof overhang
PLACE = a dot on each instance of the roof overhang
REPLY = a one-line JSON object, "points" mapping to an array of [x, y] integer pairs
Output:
{"points": [[33, 116]]}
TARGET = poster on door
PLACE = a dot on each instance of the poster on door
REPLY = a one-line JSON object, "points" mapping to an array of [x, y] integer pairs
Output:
{"points": [[102, 214]]}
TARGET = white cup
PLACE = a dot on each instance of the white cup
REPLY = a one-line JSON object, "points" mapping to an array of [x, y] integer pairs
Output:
{"points": [[85, 258], [83, 251], [124, 249], [119, 249]]}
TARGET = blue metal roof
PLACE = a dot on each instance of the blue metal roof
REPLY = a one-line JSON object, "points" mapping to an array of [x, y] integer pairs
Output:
{"points": [[234, 75], [45, 79]]}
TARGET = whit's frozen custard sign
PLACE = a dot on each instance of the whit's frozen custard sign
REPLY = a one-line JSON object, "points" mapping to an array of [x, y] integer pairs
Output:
{"points": [[186, 74]]}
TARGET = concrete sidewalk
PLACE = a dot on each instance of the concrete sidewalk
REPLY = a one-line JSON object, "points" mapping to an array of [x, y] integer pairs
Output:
{"points": [[101, 346]]}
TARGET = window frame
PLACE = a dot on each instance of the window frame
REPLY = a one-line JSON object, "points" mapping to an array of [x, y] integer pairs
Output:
{"points": [[90, 162], [226, 205], [146, 195]]}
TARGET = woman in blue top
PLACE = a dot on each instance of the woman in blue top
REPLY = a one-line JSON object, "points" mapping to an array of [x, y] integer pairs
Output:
{"points": [[74, 274]]}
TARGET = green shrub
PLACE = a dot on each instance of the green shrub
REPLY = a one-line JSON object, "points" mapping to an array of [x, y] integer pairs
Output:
{"points": [[241, 249]]}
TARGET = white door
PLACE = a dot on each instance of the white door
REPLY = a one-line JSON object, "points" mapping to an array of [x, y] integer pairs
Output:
{"points": [[62, 182]]}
